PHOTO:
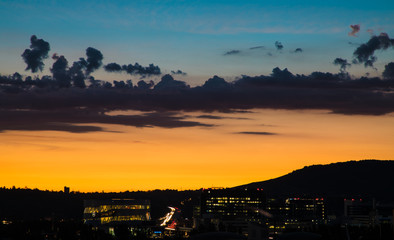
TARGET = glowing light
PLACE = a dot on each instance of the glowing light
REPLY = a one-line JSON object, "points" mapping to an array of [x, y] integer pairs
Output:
{"points": [[168, 217]]}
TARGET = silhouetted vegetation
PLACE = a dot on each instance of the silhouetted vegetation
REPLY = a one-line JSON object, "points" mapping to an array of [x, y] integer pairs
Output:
{"points": [[33, 204]]}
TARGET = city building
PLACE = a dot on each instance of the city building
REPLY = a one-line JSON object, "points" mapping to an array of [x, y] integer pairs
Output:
{"points": [[110, 213], [230, 210], [305, 209], [233, 204]]}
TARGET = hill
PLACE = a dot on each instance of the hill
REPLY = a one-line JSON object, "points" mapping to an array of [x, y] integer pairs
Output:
{"points": [[367, 178]]}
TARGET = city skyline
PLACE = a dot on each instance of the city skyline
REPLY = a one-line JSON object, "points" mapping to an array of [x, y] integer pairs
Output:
{"points": [[294, 87]]}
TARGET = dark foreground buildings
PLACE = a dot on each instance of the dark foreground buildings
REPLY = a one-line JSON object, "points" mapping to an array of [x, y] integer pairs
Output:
{"points": [[250, 213]]}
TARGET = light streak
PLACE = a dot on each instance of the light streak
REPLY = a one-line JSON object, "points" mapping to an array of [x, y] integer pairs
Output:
{"points": [[168, 217]]}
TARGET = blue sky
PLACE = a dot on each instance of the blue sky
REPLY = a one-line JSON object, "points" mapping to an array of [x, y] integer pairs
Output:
{"points": [[193, 36]]}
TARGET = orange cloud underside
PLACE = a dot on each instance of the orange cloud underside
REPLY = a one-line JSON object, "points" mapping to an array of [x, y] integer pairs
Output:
{"points": [[129, 158]]}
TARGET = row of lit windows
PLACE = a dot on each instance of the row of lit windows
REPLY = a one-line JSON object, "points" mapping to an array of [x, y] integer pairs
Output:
{"points": [[123, 218], [280, 208], [230, 198], [231, 201], [105, 208], [224, 205], [232, 212]]}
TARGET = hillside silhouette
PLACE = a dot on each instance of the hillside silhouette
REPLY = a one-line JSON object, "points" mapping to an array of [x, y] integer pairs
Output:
{"points": [[366, 178]]}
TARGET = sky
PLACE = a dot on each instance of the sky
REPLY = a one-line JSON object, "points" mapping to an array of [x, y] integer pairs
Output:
{"points": [[222, 93]]}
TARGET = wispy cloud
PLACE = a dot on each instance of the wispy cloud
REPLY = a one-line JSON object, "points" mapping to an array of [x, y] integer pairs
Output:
{"points": [[257, 133]]}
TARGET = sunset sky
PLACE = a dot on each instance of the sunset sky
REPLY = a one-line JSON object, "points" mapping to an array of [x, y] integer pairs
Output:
{"points": [[75, 123]]}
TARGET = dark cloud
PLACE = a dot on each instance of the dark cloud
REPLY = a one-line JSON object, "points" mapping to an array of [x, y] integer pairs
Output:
{"points": [[281, 74], [144, 85], [216, 83], [135, 69], [62, 101], [280, 90], [210, 117], [94, 59], [141, 70], [355, 29], [232, 52], [76, 73], [65, 76], [82, 121], [113, 67], [257, 47], [365, 52], [222, 117], [60, 71], [168, 83], [298, 50], [342, 63], [388, 72], [35, 56], [179, 72], [257, 133], [278, 45]]}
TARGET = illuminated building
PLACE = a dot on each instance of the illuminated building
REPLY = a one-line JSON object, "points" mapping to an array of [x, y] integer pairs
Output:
{"points": [[111, 212], [233, 204], [305, 209], [294, 214]]}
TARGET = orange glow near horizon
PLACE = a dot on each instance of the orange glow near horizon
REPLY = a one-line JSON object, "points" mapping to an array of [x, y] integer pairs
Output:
{"points": [[129, 158]]}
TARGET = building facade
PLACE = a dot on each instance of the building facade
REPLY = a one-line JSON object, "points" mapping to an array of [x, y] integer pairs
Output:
{"points": [[111, 212]]}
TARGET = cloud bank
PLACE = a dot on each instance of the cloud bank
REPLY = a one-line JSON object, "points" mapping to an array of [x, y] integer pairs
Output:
{"points": [[71, 99]]}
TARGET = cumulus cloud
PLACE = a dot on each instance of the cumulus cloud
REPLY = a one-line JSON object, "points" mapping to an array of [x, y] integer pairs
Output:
{"points": [[135, 69], [342, 63], [355, 29], [168, 83], [35, 56], [298, 50], [94, 59], [388, 72], [179, 72], [60, 71], [278, 45], [365, 52]]}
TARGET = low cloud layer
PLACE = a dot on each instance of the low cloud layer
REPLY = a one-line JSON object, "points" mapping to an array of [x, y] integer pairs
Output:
{"points": [[71, 99], [82, 121], [282, 89]]}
